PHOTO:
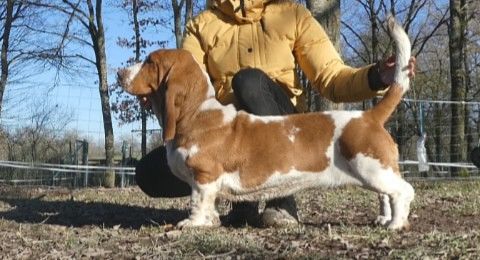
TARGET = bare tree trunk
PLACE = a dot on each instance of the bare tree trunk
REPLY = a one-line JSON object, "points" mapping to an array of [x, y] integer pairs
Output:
{"points": [[177, 21], [136, 28], [401, 133], [438, 118], [327, 13], [143, 145], [4, 53], [97, 34], [188, 12], [374, 34], [177, 18], [143, 117], [457, 74], [469, 130], [374, 29]]}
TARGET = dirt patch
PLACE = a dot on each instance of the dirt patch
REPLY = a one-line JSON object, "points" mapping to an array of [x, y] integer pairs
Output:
{"points": [[124, 223]]}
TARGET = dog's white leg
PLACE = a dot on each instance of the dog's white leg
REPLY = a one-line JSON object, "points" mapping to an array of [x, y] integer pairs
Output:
{"points": [[375, 177], [385, 210], [400, 200], [203, 208], [400, 193]]}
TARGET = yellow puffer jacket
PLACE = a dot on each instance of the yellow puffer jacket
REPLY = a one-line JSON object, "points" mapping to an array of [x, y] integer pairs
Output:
{"points": [[271, 36]]}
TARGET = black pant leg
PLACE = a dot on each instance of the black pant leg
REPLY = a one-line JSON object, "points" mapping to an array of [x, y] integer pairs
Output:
{"points": [[155, 178], [258, 94]]}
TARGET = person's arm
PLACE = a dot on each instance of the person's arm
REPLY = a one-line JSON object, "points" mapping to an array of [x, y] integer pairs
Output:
{"points": [[324, 67], [191, 42]]}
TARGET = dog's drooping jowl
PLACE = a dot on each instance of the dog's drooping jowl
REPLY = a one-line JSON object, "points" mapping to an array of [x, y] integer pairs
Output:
{"points": [[222, 152]]}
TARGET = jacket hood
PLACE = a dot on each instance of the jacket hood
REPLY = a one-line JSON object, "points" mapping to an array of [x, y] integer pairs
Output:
{"points": [[252, 10]]}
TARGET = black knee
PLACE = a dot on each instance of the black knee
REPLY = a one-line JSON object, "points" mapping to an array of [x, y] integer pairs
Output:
{"points": [[258, 94], [155, 178], [247, 84]]}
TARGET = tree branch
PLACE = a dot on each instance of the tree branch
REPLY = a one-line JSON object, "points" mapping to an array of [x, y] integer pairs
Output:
{"points": [[353, 48], [67, 29], [442, 21], [359, 37], [75, 8], [61, 10]]}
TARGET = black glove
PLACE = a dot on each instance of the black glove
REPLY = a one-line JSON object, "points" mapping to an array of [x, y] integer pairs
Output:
{"points": [[374, 79]]}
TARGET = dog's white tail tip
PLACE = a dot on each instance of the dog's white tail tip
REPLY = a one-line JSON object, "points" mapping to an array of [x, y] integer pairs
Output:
{"points": [[403, 52]]}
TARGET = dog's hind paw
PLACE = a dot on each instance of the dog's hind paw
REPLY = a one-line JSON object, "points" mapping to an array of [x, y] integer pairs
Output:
{"points": [[382, 220]]}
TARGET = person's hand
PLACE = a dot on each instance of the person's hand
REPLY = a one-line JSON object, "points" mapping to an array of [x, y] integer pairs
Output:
{"points": [[386, 69]]}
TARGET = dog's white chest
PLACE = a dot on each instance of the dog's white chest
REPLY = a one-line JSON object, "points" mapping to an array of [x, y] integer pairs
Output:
{"points": [[176, 158]]}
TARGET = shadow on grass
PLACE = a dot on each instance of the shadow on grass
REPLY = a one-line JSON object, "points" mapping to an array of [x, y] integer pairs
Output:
{"points": [[329, 224], [78, 214]]}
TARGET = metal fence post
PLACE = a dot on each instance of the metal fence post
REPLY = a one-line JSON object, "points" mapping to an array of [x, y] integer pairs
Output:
{"points": [[85, 161]]}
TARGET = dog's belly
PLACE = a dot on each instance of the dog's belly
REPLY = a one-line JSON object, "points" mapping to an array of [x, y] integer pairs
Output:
{"points": [[284, 184]]}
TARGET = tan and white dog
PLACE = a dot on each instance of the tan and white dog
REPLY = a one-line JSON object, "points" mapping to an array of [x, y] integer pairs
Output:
{"points": [[222, 152]]}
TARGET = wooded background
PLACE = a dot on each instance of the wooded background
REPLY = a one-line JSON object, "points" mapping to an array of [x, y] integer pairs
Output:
{"points": [[67, 38]]}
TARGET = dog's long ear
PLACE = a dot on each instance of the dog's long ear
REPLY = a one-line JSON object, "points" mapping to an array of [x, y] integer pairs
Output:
{"points": [[179, 80], [171, 111]]}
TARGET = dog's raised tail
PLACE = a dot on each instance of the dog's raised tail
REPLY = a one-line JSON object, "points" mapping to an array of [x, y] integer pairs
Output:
{"points": [[401, 81]]}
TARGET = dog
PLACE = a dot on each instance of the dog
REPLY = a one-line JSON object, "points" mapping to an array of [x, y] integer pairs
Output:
{"points": [[222, 152]]}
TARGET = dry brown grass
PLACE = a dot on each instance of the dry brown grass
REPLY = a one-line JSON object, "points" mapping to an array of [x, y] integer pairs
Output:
{"points": [[124, 223]]}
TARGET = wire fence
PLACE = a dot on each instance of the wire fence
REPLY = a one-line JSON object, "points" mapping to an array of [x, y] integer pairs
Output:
{"points": [[421, 128], [81, 176], [424, 128], [75, 176]]}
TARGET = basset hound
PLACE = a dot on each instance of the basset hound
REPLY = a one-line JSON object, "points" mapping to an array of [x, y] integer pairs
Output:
{"points": [[222, 152]]}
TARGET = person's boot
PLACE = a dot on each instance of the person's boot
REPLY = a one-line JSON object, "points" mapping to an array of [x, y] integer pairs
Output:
{"points": [[280, 212], [243, 213]]}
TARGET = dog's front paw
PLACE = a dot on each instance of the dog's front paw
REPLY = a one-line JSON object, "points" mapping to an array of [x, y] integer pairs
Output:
{"points": [[189, 222], [399, 225], [185, 223], [382, 220]]}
